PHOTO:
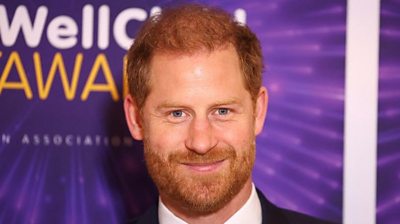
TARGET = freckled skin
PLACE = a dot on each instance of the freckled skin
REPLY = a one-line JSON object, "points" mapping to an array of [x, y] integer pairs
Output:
{"points": [[198, 110], [195, 84]]}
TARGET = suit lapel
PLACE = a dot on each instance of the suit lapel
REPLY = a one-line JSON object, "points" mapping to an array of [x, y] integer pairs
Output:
{"points": [[270, 213], [150, 217]]}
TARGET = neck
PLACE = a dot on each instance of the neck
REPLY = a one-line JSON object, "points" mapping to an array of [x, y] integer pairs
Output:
{"points": [[219, 216]]}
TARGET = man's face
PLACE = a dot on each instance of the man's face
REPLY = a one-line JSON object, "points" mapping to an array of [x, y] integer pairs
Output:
{"points": [[199, 124]]}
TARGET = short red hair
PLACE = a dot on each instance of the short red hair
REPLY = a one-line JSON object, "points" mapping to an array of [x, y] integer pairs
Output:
{"points": [[188, 29]]}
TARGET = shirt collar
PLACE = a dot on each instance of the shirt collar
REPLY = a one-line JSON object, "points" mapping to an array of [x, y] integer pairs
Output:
{"points": [[250, 212]]}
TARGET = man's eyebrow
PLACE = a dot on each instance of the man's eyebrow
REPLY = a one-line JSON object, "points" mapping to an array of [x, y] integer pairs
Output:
{"points": [[167, 105], [170, 105], [227, 102]]}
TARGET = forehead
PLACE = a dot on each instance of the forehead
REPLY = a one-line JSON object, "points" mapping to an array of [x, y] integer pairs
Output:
{"points": [[222, 58], [196, 76]]}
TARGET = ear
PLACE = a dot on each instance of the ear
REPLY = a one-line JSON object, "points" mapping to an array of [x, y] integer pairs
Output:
{"points": [[132, 115], [261, 109]]}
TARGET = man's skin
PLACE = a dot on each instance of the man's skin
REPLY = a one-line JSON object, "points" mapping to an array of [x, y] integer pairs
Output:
{"points": [[198, 102]]}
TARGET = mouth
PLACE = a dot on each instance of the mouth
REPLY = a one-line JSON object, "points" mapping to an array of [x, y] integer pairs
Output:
{"points": [[204, 166]]}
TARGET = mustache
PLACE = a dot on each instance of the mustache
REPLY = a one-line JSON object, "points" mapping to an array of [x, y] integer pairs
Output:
{"points": [[212, 156]]}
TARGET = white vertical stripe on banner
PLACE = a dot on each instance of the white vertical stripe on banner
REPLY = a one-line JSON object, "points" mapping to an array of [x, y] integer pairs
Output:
{"points": [[360, 144]]}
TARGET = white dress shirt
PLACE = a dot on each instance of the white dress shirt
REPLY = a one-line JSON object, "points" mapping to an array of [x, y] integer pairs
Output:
{"points": [[250, 212]]}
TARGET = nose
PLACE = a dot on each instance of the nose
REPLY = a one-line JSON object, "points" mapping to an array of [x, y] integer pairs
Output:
{"points": [[201, 138]]}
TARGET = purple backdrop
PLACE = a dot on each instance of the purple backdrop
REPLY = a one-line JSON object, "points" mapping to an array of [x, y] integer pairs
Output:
{"points": [[71, 160], [299, 160], [388, 194]]}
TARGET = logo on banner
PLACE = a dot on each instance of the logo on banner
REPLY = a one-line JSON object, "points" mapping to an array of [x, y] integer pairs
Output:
{"points": [[63, 32]]}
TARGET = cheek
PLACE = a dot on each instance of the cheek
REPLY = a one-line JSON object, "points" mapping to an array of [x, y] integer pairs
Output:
{"points": [[237, 135], [164, 137]]}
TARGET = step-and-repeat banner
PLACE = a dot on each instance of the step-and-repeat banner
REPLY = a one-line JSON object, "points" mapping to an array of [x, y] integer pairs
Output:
{"points": [[66, 155], [388, 179]]}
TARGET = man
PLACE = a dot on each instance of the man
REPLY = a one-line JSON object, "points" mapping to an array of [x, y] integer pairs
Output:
{"points": [[197, 102]]}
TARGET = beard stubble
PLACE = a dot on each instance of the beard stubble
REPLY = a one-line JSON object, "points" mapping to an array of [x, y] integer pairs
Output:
{"points": [[200, 193]]}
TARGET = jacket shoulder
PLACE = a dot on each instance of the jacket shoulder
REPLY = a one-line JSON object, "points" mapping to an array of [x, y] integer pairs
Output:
{"points": [[276, 215], [299, 218], [149, 217]]}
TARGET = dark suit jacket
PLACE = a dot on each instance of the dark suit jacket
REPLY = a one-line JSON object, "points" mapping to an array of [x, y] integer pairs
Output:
{"points": [[270, 215]]}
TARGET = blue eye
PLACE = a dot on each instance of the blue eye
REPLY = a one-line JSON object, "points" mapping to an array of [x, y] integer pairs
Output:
{"points": [[223, 111], [177, 113]]}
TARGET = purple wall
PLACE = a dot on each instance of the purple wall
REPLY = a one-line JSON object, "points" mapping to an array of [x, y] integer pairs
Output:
{"points": [[71, 160], [388, 194]]}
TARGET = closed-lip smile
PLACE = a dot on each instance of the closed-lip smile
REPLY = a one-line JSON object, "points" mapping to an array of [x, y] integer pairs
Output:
{"points": [[204, 167]]}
